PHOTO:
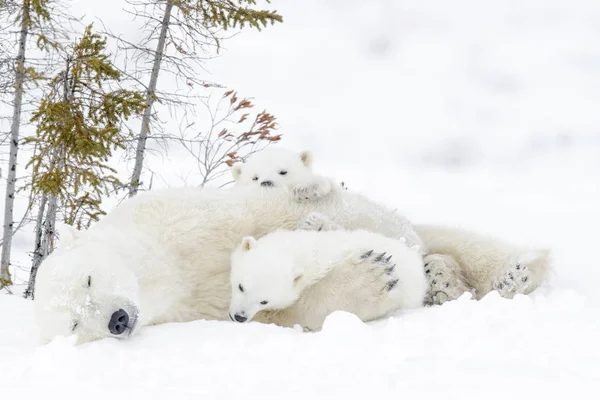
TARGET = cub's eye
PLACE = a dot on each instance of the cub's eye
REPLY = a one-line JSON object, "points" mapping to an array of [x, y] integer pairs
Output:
{"points": [[255, 178], [74, 326], [241, 288], [89, 281], [282, 172], [264, 302]]}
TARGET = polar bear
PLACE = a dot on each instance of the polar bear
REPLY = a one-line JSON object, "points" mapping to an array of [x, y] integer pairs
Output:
{"points": [[275, 271], [456, 261], [164, 256]]}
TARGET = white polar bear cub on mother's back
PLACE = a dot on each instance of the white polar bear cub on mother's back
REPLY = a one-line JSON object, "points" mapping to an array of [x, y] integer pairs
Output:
{"points": [[277, 271], [279, 167]]}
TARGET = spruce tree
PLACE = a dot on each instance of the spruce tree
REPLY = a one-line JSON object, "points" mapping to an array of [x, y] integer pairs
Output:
{"points": [[79, 125]]}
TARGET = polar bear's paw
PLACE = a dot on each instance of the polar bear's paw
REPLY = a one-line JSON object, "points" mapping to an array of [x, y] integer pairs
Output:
{"points": [[513, 280], [312, 191], [317, 222], [380, 267], [446, 281]]}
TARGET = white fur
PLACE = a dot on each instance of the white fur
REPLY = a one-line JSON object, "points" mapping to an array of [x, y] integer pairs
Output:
{"points": [[275, 271], [483, 263], [165, 255]]}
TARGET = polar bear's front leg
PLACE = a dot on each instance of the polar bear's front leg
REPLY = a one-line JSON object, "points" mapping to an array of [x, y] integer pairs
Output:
{"points": [[317, 222], [318, 187], [446, 281]]}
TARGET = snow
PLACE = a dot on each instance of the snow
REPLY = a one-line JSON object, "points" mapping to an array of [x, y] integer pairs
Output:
{"points": [[481, 114]]}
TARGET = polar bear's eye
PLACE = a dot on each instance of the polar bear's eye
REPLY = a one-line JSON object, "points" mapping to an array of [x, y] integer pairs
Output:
{"points": [[89, 281], [255, 178], [282, 172], [264, 302], [241, 288]]}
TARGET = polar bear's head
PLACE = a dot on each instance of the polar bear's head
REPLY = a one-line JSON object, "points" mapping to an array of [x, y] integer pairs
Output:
{"points": [[274, 167], [85, 288], [262, 278]]}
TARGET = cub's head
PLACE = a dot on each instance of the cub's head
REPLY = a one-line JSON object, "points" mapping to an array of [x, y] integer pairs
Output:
{"points": [[274, 167], [85, 288], [262, 278]]}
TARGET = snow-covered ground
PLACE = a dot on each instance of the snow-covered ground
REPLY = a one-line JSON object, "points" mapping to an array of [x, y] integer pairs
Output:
{"points": [[482, 114]]}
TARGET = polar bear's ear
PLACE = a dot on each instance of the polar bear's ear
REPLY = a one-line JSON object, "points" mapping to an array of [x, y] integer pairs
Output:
{"points": [[307, 158], [236, 171], [67, 234], [248, 243]]}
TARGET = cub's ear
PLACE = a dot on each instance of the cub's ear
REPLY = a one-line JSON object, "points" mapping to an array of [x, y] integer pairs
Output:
{"points": [[248, 243], [307, 158], [236, 171], [67, 234]]}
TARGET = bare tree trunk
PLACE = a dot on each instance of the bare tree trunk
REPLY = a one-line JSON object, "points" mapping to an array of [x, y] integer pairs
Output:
{"points": [[150, 96], [11, 180], [38, 251]]}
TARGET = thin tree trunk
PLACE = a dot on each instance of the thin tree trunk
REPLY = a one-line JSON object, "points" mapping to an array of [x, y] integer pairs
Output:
{"points": [[150, 95], [38, 251], [14, 148]]}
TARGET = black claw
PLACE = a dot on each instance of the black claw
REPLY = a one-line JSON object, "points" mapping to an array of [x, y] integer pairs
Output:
{"points": [[500, 286], [438, 274], [427, 271], [510, 275], [380, 257], [447, 285], [389, 270], [319, 230], [434, 281], [518, 267], [367, 254], [388, 259], [426, 264], [525, 279], [391, 284]]}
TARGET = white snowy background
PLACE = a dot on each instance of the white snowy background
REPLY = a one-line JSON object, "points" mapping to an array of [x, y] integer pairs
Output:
{"points": [[476, 113]]}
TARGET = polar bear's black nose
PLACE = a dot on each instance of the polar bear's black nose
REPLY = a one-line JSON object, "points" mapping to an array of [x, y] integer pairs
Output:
{"points": [[266, 183], [118, 322], [240, 318]]}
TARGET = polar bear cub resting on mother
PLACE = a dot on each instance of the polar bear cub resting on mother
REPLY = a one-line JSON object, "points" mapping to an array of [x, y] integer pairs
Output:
{"points": [[273, 272]]}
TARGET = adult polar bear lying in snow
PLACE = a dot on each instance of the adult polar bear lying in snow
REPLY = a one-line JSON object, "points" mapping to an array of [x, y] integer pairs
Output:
{"points": [[164, 256], [456, 261]]}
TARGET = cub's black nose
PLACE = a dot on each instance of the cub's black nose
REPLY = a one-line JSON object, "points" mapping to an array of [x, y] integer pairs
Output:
{"points": [[240, 318], [118, 322], [266, 183]]}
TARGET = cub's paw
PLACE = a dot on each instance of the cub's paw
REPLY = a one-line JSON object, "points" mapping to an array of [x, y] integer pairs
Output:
{"points": [[446, 281], [380, 266], [317, 222], [515, 279], [312, 191]]}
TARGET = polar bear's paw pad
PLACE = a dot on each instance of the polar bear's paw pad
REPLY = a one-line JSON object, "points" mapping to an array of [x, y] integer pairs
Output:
{"points": [[445, 280], [514, 280]]}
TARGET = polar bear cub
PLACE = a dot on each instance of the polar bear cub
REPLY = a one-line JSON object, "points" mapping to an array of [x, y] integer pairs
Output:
{"points": [[277, 271], [280, 167]]}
